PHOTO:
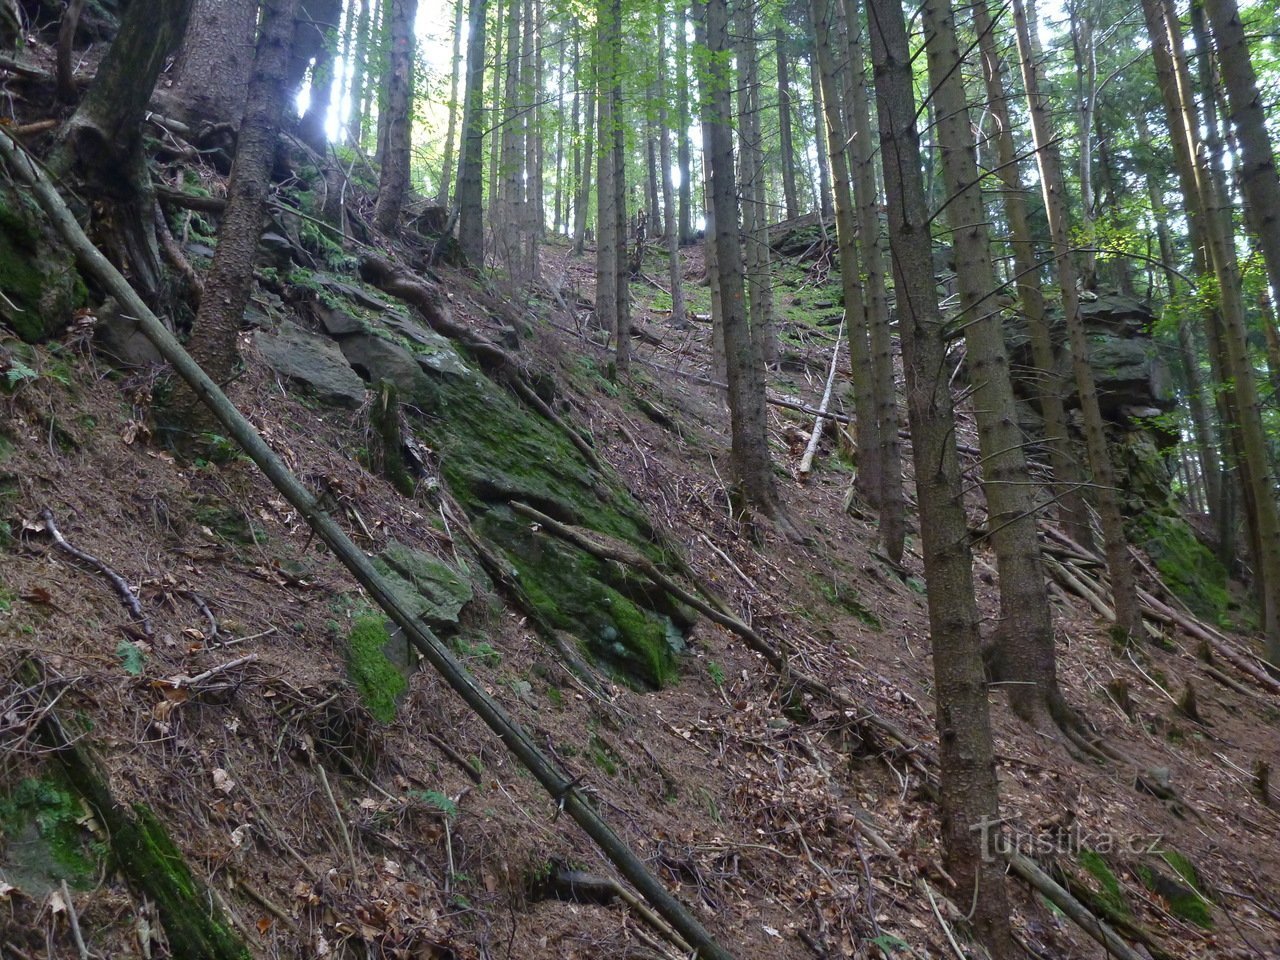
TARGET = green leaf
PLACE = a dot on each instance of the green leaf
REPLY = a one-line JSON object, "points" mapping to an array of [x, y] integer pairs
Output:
{"points": [[131, 657], [888, 942]]}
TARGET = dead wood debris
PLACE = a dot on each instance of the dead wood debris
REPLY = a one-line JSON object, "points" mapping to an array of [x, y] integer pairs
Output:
{"points": [[122, 588]]}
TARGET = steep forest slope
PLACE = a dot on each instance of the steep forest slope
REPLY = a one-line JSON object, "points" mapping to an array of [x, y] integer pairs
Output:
{"points": [[214, 744]]}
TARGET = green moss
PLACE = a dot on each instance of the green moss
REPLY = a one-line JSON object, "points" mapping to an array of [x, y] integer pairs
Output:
{"points": [[379, 682], [1109, 894], [41, 822], [1189, 903], [41, 287], [493, 451], [1186, 565]]}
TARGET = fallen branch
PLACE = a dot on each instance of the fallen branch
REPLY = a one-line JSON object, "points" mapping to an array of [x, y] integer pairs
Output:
{"points": [[806, 462], [561, 788], [127, 596]]}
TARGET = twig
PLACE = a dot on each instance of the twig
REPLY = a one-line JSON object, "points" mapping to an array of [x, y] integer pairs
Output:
{"points": [[342, 824], [127, 596], [946, 928], [204, 608], [74, 921], [456, 757], [271, 908], [184, 681]]}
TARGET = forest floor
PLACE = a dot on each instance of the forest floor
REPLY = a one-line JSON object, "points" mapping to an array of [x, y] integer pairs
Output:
{"points": [[324, 832]]}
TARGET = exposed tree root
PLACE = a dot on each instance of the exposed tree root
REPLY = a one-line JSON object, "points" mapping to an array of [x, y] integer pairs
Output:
{"points": [[123, 590]]}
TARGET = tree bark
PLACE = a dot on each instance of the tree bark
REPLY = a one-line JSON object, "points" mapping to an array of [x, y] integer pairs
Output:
{"points": [[612, 293], [214, 63], [670, 215], [230, 279], [102, 141], [1119, 565], [1049, 388], [471, 159], [825, 203], [1023, 645], [786, 144], [755, 216], [393, 183], [862, 152], [969, 801], [754, 488], [455, 78], [870, 477], [683, 159]]}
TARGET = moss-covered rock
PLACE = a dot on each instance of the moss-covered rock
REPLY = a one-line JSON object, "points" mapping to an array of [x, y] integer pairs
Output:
{"points": [[1109, 894], [439, 591], [37, 276], [493, 451], [1188, 567], [381, 685], [1184, 893], [43, 842]]}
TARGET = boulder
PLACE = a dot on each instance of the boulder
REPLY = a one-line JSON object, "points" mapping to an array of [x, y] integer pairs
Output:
{"points": [[38, 278], [312, 360], [375, 358]]}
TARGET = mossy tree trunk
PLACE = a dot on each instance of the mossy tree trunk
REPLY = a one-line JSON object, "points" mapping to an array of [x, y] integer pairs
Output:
{"points": [[101, 143]]}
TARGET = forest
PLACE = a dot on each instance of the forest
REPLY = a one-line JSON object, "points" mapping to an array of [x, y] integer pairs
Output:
{"points": [[662, 478]]}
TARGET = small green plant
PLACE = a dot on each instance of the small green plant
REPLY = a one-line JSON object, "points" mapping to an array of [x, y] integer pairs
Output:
{"points": [[131, 657], [18, 373], [716, 673], [434, 798]]}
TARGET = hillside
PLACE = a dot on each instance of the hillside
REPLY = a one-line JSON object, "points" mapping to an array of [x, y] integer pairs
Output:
{"points": [[332, 806]]}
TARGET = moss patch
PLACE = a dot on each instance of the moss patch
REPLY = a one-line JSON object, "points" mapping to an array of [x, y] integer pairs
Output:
{"points": [[493, 451], [40, 283], [379, 682], [1187, 566], [1184, 895], [1110, 896], [44, 842]]}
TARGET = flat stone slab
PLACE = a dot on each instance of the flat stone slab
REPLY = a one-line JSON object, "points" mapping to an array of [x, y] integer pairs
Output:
{"points": [[312, 360]]}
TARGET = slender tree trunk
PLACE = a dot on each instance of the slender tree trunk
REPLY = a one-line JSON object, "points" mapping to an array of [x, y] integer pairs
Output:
{"points": [[670, 216], [612, 306], [506, 222], [359, 72], [969, 802], [752, 463], [230, 279], [495, 110], [582, 201], [311, 128], [653, 206], [826, 203], [786, 146], [1073, 513], [1024, 653], [1119, 566], [531, 74], [1258, 483], [1086, 62], [455, 77], [393, 183], [862, 153], [471, 158], [870, 476], [683, 159], [755, 215]]}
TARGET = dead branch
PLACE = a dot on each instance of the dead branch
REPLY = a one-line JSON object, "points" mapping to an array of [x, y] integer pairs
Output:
{"points": [[806, 462], [127, 596]]}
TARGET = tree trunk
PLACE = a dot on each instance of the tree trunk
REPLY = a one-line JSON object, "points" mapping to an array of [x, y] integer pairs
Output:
{"points": [[670, 216], [321, 20], [214, 63], [825, 201], [230, 279], [1024, 654], [455, 78], [470, 200], [1073, 513], [1119, 566], [754, 488], [393, 183], [102, 141], [1258, 484], [969, 802], [755, 215], [870, 478], [612, 294], [884, 390], [359, 72], [582, 199], [683, 159], [786, 146]]}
